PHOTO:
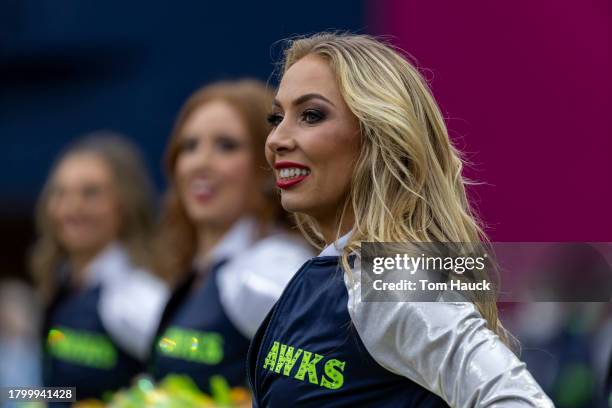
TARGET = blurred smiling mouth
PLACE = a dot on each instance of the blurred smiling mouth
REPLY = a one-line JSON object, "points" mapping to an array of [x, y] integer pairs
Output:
{"points": [[202, 190], [75, 222], [289, 174]]}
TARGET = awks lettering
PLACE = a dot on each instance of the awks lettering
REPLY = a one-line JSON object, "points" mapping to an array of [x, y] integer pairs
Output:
{"points": [[282, 359]]}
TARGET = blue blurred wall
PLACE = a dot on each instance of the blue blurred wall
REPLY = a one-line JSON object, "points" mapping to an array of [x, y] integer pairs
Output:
{"points": [[68, 67]]}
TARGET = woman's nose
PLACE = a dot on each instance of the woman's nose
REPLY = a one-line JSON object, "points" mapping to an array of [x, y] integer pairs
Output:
{"points": [[202, 158], [280, 140]]}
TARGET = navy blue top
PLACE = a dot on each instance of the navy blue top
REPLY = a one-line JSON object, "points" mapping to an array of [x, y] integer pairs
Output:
{"points": [[196, 337], [307, 353], [78, 351]]}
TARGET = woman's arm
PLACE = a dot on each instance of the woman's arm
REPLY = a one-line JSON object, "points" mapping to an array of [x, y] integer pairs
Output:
{"points": [[130, 309], [446, 348], [250, 284]]}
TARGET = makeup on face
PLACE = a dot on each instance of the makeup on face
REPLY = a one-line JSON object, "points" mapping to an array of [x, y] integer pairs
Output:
{"points": [[203, 185], [290, 173], [311, 112], [214, 169], [315, 139], [82, 203]]}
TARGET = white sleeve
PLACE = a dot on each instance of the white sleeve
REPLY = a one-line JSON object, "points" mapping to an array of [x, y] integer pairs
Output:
{"points": [[446, 348], [130, 310], [250, 284]]}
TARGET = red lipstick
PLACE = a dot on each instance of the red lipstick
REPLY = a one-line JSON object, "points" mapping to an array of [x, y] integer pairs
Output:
{"points": [[287, 164], [285, 183]]}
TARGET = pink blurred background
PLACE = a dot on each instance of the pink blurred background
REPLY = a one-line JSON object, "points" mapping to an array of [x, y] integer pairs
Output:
{"points": [[526, 89]]}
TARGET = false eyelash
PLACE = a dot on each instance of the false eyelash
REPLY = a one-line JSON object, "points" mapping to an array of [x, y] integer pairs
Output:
{"points": [[274, 119]]}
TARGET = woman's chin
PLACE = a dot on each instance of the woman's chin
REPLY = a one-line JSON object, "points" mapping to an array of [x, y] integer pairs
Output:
{"points": [[293, 204], [84, 245]]}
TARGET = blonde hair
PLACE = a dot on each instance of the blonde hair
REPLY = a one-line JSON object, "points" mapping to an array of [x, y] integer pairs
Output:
{"points": [[407, 185], [135, 195]]}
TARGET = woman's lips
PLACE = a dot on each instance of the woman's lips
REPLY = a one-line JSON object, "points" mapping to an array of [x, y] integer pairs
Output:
{"points": [[289, 182], [290, 174], [71, 223], [202, 191]]}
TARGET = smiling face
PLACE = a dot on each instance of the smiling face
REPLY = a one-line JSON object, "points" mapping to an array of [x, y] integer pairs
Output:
{"points": [[214, 169], [315, 141], [83, 205]]}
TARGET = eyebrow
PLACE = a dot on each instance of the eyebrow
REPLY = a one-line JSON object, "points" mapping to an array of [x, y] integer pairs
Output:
{"points": [[306, 98]]}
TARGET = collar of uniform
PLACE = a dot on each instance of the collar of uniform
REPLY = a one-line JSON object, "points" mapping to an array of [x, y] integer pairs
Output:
{"points": [[110, 265], [240, 236], [336, 247]]}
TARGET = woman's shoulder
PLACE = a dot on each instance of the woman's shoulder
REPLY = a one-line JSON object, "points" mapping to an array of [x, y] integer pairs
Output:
{"points": [[131, 302], [276, 258], [444, 346], [251, 282], [281, 247]]}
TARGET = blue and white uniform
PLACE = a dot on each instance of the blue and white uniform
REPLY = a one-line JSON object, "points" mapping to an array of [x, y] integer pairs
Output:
{"points": [[97, 338], [321, 346], [210, 319]]}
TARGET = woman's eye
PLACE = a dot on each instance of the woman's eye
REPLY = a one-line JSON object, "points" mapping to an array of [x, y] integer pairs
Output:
{"points": [[311, 116], [227, 144], [274, 119], [91, 191], [189, 144]]}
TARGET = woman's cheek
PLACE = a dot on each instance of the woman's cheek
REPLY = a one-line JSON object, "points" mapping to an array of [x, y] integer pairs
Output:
{"points": [[241, 171]]}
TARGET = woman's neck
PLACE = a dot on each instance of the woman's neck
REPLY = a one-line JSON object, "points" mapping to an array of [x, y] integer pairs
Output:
{"points": [[79, 262], [335, 227]]}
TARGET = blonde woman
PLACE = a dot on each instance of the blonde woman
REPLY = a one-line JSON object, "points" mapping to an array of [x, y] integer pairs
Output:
{"points": [[95, 220], [361, 153], [223, 241]]}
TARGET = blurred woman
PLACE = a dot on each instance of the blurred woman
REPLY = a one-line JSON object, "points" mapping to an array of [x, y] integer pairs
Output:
{"points": [[361, 153], [95, 220], [222, 238]]}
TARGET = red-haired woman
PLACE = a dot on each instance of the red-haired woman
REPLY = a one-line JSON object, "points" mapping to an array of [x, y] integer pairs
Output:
{"points": [[222, 239]]}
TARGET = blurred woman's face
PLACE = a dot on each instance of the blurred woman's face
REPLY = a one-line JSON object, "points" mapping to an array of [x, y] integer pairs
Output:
{"points": [[83, 205], [215, 169], [315, 141]]}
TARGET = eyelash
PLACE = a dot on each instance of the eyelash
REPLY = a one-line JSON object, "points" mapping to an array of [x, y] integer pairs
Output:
{"points": [[319, 116], [274, 119], [189, 145], [227, 144], [223, 143]]}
